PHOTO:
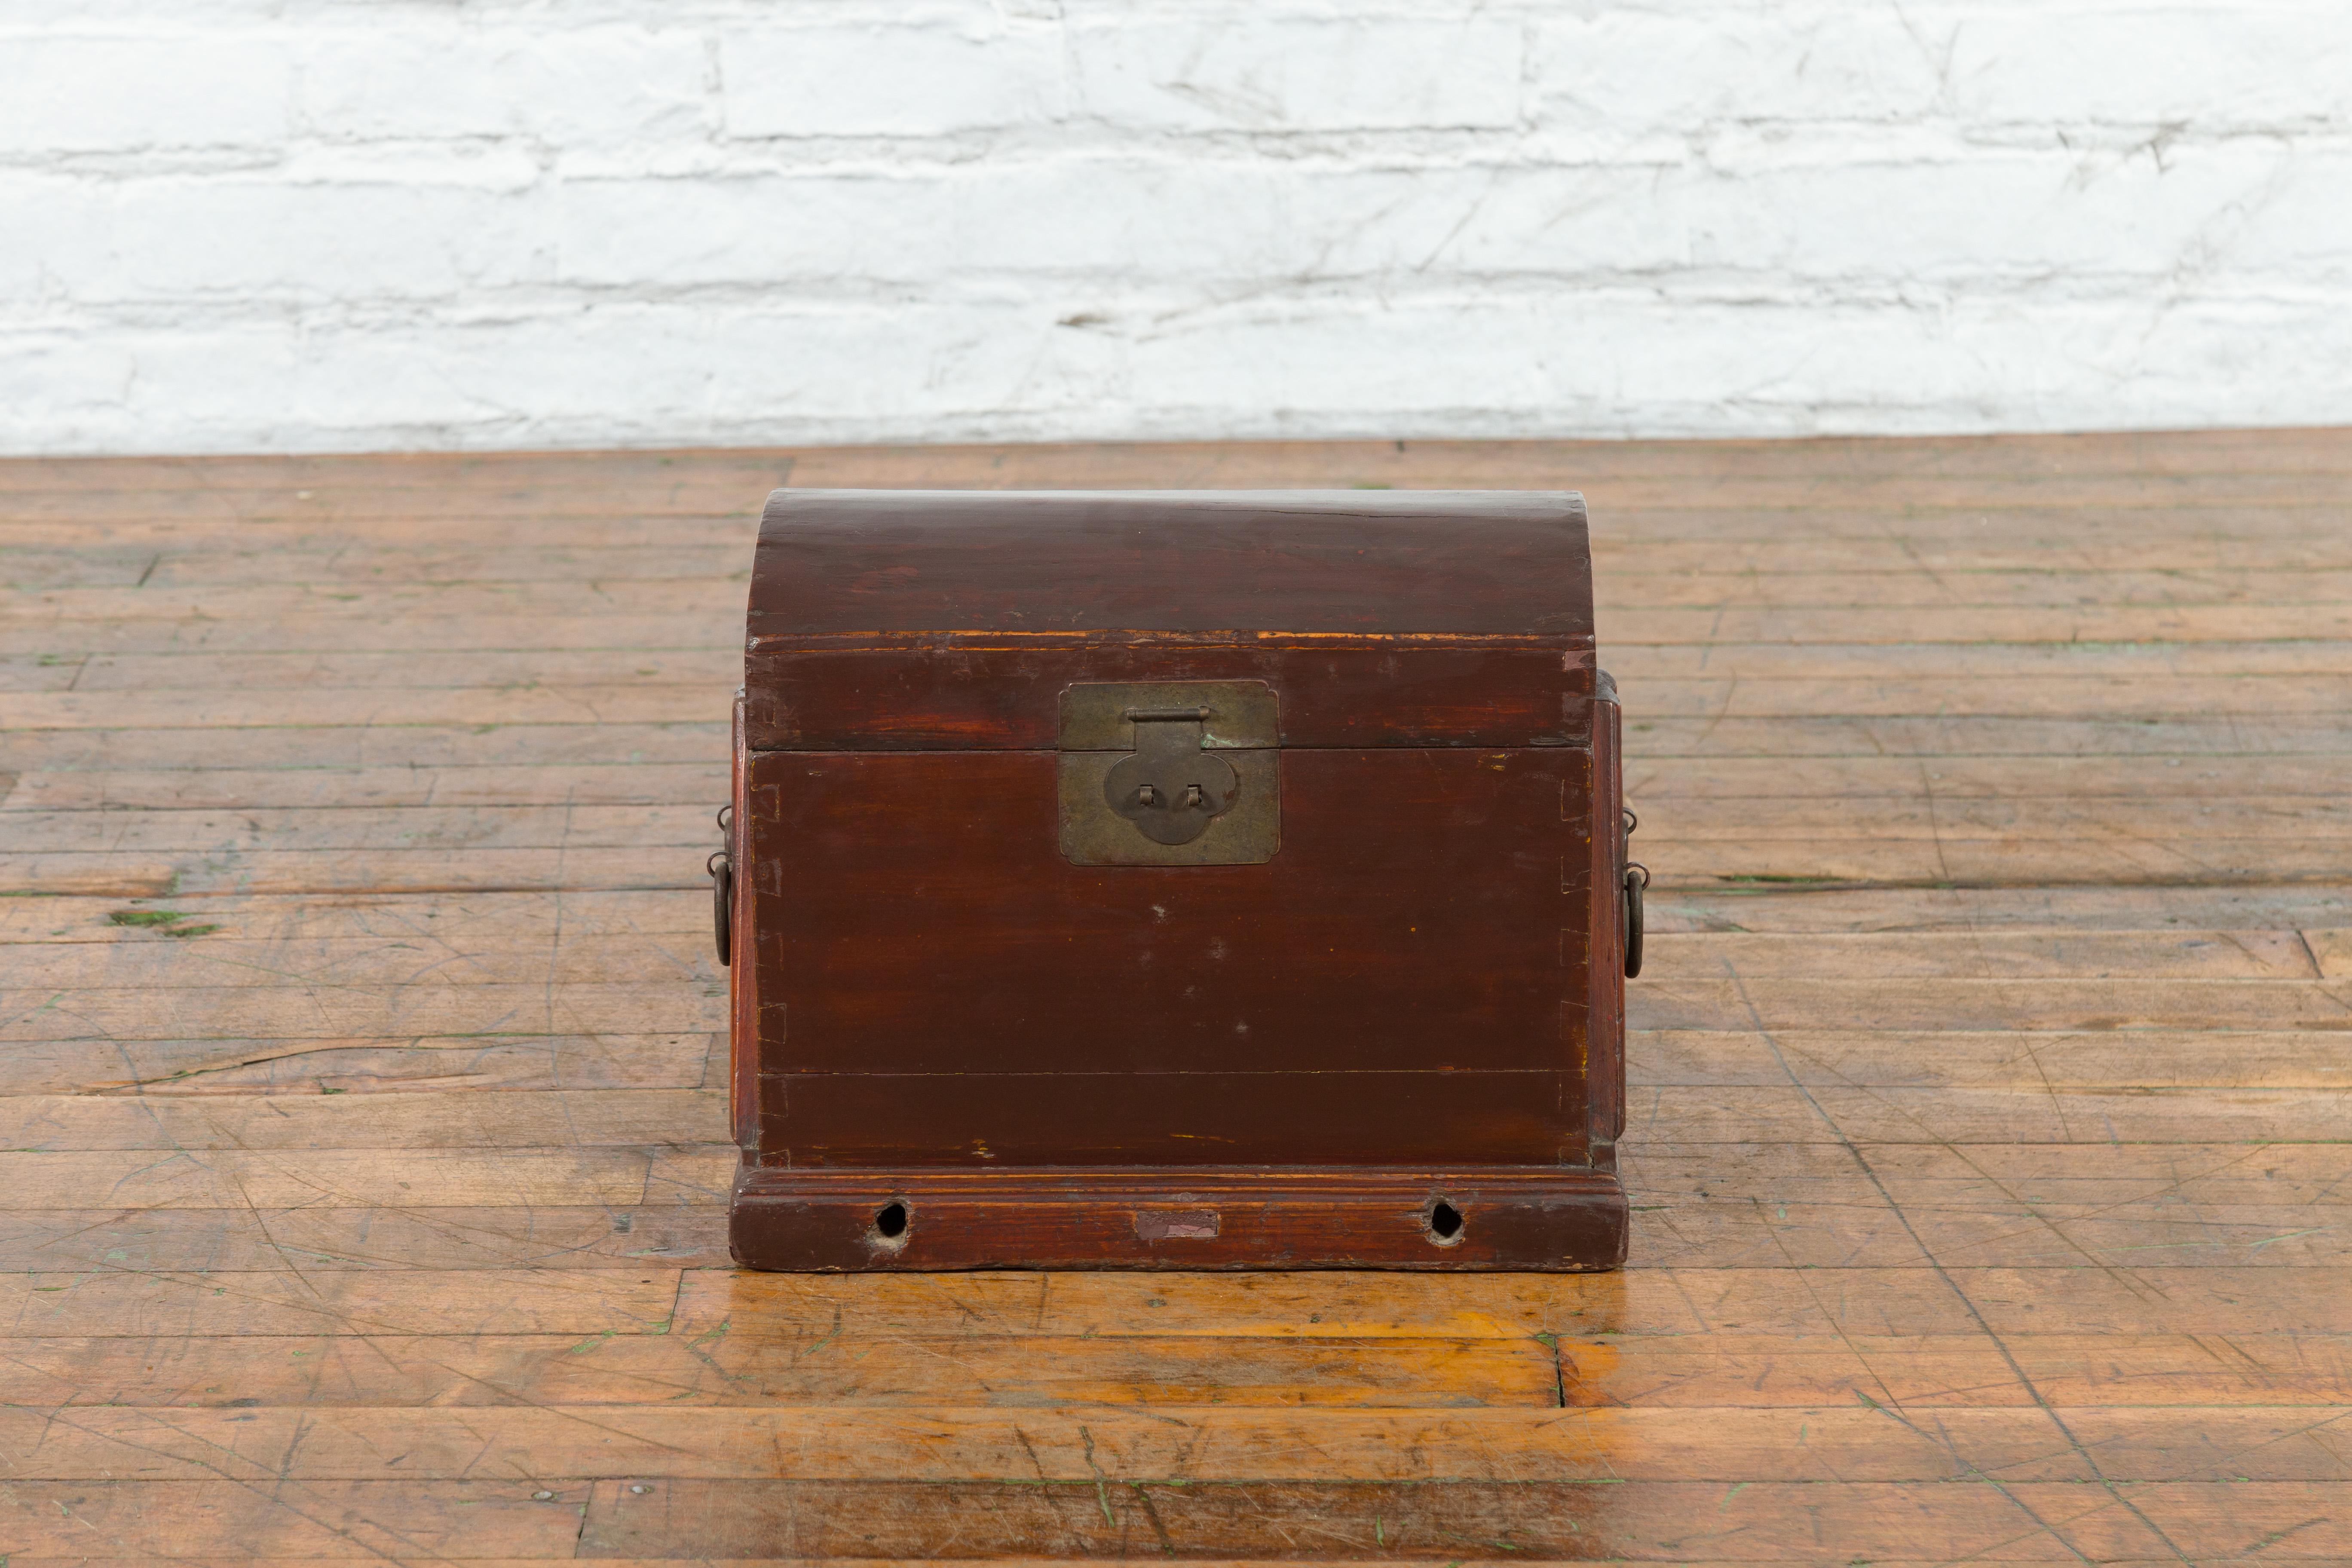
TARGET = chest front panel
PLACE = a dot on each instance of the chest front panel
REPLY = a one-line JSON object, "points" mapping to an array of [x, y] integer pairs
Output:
{"points": [[1407, 975]]}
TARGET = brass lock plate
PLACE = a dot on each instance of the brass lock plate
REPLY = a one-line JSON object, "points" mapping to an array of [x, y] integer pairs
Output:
{"points": [[1170, 772]]}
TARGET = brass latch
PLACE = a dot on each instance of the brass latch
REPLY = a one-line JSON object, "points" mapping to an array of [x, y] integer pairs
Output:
{"points": [[1171, 788], [1171, 774]]}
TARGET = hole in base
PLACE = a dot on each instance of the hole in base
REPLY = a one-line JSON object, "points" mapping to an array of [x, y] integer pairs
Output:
{"points": [[1444, 1221], [890, 1221]]}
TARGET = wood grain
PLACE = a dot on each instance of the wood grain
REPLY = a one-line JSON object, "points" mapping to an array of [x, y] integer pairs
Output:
{"points": [[1362, 562], [2008, 1220]]}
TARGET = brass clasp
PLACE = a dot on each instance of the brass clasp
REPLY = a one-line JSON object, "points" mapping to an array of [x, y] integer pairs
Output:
{"points": [[1169, 773], [1170, 788]]}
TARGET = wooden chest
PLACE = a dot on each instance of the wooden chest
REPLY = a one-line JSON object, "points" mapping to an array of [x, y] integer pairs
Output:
{"points": [[1176, 880]]}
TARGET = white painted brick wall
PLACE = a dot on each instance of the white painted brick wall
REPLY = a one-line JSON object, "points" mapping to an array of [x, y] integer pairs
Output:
{"points": [[340, 224]]}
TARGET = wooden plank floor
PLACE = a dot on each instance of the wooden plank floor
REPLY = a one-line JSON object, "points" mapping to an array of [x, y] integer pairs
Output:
{"points": [[361, 1180]]}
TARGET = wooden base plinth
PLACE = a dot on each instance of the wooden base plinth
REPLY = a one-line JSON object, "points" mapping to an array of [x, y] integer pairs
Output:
{"points": [[1497, 1217]]}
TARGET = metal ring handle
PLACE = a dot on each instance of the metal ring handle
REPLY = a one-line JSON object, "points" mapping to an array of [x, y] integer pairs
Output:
{"points": [[1637, 877], [721, 867], [722, 904]]}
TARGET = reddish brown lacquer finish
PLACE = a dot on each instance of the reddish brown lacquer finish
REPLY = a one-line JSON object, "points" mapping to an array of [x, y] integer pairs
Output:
{"points": [[1396, 1043]]}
